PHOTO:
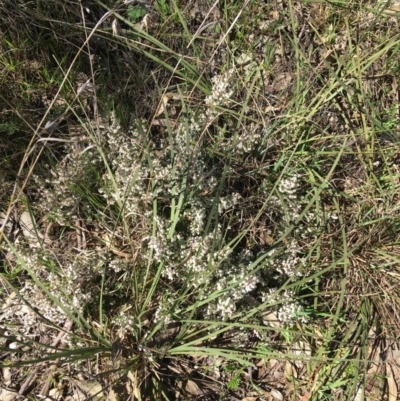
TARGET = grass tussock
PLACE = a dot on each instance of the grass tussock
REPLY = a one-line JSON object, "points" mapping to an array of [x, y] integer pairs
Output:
{"points": [[200, 200]]}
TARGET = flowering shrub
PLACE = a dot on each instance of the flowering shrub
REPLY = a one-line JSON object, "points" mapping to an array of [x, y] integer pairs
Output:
{"points": [[167, 191]]}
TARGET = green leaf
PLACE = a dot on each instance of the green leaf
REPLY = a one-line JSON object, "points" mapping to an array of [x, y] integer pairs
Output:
{"points": [[135, 13]]}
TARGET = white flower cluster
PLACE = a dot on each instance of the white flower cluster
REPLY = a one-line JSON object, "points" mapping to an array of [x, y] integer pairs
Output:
{"points": [[288, 187], [248, 140], [186, 257], [14, 310], [197, 219], [288, 262], [124, 320], [221, 89], [70, 284], [126, 184], [227, 202], [288, 308], [226, 304], [234, 280], [59, 199], [119, 265], [165, 308]]}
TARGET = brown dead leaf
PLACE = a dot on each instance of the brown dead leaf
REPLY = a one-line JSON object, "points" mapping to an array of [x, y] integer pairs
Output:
{"points": [[282, 81], [270, 318], [306, 396], [112, 396], [373, 369], [302, 349], [54, 394], [244, 59], [272, 363], [7, 395], [116, 28], [164, 102], [277, 395], [7, 376], [392, 386], [192, 388], [164, 122], [266, 238], [392, 356], [393, 10], [272, 108], [260, 363], [78, 395], [274, 15], [28, 225], [132, 385], [249, 398], [90, 387], [290, 371]]}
